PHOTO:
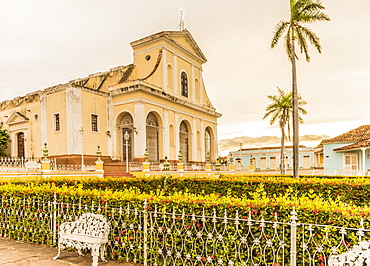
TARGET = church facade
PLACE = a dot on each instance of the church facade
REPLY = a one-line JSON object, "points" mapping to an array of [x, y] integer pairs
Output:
{"points": [[159, 100]]}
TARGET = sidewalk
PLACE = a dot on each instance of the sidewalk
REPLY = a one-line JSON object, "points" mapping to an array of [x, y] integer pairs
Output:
{"points": [[19, 253]]}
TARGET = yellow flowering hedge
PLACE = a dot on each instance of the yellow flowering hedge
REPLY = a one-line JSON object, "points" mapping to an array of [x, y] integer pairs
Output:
{"points": [[354, 191], [312, 206]]}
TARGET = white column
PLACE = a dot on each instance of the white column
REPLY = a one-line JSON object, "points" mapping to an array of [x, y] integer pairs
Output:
{"points": [[201, 87], [164, 69], [111, 135], [203, 148], [74, 120], [26, 143], [215, 146], [140, 124], [13, 144], [175, 75], [177, 134], [195, 140], [43, 123], [363, 166], [166, 135]]}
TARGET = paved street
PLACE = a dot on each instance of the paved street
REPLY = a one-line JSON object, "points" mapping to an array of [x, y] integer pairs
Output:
{"points": [[19, 253]]}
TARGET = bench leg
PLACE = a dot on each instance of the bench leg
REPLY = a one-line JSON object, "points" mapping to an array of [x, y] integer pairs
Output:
{"points": [[95, 254], [58, 251], [102, 252]]}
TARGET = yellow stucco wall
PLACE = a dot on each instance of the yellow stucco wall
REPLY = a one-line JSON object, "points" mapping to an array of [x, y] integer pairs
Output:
{"points": [[94, 104], [56, 140]]}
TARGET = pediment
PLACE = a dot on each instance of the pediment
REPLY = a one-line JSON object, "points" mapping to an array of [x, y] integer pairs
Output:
{"points": [[182, 39], [16, 118]]}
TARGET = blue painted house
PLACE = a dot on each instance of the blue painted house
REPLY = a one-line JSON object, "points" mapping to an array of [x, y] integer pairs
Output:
{"points": [[268, 158], [349, 151]]}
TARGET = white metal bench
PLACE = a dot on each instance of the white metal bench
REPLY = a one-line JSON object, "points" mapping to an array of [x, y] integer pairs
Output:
{"points": [[358, 255], [32, 165], [89, 231]]}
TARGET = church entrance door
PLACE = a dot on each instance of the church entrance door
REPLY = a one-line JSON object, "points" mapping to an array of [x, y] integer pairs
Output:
{"points": [[127, 124], [152, 137], [20, 144], [184, 142]]}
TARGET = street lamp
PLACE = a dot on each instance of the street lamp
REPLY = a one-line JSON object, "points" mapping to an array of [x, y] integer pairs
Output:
{"points": [[82, 149], [126, 136]]}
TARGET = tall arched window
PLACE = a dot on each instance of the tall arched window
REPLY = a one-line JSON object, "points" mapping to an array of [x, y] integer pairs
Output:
{"points": [[184, 85], [172, 136], [152, 143], [184, 142], [207, 142], [126, 125], [170, 76], [197, 90]]}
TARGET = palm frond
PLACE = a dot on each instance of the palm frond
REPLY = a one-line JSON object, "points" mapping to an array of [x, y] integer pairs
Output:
{"points": [[302, 44], [312, 12], [311, 36], [280, 28], [288, 45]]}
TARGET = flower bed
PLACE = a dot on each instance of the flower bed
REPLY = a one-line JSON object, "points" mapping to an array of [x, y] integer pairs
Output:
{"points": [[354, 191], [27, 208]]}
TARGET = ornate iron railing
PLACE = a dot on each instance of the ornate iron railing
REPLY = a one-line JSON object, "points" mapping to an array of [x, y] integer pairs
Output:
{"points": [[151, 236]]}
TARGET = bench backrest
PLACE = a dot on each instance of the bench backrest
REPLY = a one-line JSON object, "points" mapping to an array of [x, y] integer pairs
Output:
{"points": [[91, 224]]}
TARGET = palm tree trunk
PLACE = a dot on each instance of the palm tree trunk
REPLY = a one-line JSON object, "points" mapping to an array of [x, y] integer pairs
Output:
{"points": [[282, 156], [295, 115]]}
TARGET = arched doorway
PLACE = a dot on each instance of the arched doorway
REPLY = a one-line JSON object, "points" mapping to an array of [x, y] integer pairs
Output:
{"points": [[152, 137], [184, 142], [20, 144], [208, 143], [127, 125]]}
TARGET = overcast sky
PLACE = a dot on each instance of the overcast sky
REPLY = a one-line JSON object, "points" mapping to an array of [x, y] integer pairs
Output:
{"points": [[44, 43]]}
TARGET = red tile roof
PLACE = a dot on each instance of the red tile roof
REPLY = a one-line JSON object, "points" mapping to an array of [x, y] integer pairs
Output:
{"points": [[355, 146], [356, 135]]}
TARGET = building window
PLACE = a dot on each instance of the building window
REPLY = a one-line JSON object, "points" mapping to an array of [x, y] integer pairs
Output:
{"points": [[152, 137], [184, 85], [56, 122], [351, 162], [94, 123]]}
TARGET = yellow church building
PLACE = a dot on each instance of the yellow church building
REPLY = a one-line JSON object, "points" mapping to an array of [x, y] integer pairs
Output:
{"points": [[159, 100]]}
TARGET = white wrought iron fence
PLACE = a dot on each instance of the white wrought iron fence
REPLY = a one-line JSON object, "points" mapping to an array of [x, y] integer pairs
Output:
{"points": [[16, 164], [74, 167], [135, 167], [151, 236]]}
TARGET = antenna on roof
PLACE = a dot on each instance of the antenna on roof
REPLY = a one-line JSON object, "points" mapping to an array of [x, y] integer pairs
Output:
{"points": [[182, 19]]}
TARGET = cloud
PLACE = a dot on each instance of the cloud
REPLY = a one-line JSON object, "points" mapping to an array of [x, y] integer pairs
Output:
{"points": [[264, 141], [233, 144], [314, 137]]}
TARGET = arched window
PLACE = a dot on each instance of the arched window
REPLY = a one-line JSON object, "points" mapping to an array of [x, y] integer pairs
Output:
{"points": [[172, 136], [152, 143], [207, 143], [170, 76], [184, 142], [126, 125], [184, 85], [197, 90]]}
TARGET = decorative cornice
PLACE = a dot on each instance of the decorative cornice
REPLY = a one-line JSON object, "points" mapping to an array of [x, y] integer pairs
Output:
{"points": [[159, 93]]}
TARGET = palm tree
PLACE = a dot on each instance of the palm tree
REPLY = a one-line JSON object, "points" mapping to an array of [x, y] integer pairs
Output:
{"points": [[280, 109], [301, 12]]}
